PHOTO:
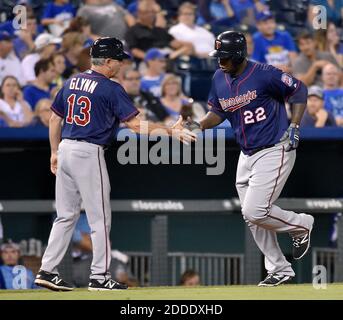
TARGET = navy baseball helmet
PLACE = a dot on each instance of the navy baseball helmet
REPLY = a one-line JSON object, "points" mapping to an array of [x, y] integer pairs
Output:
{"points": [[108, 48], [230, 45]]}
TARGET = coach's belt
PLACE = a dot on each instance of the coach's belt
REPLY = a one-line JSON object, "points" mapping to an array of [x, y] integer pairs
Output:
{"points": [[260, 149], [100, 145]]}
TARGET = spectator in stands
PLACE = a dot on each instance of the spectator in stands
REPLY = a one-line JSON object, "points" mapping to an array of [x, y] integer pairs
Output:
{"points": [[10, 27], [176, 103], [333, 92], [41, 87], [13, 275], [247, 10], [308, 65], [150, 107], [250, 44], [272, 46], [328, 40], [72, 46], [82, 257], [14, 110], [145, 35], [190, 278], [81, 25], [9, 62], [160, 21], [24, 43], [107, 19], [58, 60], [57, 16], [126, 65], [229, 12], [334, 10], [217, 12], [45, 45], [186, 31], [156, 64], [42, 113], [315, 115], [1, 232]]}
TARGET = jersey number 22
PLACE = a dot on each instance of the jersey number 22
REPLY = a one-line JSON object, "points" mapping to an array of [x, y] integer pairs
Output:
{"points": [[85, 108], [252, 117]]}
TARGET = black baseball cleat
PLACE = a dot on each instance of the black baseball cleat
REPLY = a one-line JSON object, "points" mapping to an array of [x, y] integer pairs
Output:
{"points": [[52, 281], [301, 243], [107, 285], [274, 279]]}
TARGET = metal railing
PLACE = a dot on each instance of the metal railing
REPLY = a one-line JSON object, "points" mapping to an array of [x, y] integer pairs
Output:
{"points": [[140, 264], [156, 271], [213, 268], [327, 257]]}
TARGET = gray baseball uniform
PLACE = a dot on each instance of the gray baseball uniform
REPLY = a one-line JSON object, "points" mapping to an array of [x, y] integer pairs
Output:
{"points": [[259, 182], [92, 107], [81, 176]]}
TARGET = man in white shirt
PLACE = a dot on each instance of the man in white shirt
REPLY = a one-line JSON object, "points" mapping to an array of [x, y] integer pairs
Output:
{"points": [[45, 45], [9, 62], [186, 30]]}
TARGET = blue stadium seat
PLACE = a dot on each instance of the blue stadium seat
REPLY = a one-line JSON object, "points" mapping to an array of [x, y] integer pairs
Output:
{"points": [[196, 76]]}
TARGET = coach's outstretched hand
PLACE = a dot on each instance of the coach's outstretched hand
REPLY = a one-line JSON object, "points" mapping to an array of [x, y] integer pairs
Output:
{"points": [[293, 137], [181, 133]]}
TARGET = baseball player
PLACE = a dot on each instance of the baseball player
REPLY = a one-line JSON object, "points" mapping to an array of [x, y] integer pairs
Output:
{"points": [[86, 112], [252, 97]]}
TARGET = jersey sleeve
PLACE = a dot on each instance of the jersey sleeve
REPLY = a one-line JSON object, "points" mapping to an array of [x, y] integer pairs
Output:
{"points": [[123, 107], [58, 104], [213, 103], [282, 85]]}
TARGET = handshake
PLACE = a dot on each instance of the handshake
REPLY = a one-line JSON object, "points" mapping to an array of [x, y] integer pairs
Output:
{"points": [[182, 130]]}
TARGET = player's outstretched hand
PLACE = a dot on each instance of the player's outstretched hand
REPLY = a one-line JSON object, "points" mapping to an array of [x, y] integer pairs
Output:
{"points": [[293, 137], [181, 133], [191, 125], [53, 163]]}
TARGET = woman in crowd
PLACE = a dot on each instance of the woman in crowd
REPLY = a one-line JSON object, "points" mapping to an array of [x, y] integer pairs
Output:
{"points": [[59, 63], [176, 103], [82, 25], [42, 113], [72, 46], [14, 110], [329, 40]]}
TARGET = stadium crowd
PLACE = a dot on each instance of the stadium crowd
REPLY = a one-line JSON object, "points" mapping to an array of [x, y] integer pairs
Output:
{"points": [[169, 72]]}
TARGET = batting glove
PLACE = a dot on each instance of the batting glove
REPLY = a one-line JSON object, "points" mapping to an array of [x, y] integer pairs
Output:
{"points": [[293, 136], [191, 124]]}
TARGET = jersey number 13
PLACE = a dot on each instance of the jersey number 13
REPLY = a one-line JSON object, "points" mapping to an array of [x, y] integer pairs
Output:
{"points": [[85, 107]]}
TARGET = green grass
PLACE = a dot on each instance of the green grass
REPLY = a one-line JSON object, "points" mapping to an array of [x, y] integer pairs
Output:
{"points": [[288, 292]]}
